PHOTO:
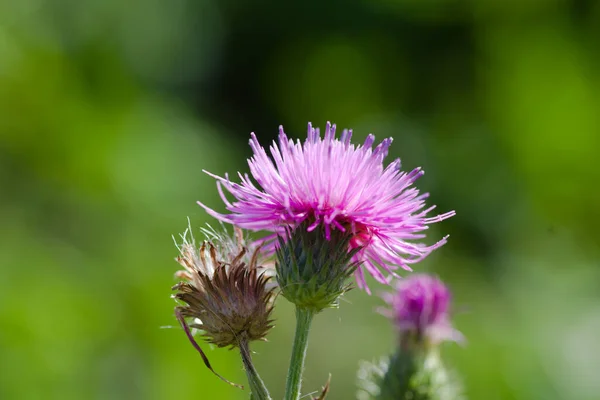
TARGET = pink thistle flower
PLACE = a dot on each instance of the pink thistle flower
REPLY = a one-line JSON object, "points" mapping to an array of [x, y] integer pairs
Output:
{"points": [[339, 185], [420, 309]]}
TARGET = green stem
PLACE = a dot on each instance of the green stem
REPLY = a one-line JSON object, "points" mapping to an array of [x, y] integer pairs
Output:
{"points": [[294, 379], [257, 386]]}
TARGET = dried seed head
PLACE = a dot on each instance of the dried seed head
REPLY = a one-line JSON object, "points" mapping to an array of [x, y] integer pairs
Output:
{"points": [[224, 293]]}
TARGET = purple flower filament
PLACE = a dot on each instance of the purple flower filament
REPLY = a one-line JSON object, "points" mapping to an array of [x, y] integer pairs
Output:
{"points": [[332, 182]]}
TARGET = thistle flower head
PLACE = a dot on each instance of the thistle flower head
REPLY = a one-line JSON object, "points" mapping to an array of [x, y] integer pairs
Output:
{"points": [[420, 310], [331, 183], [223, 290]]}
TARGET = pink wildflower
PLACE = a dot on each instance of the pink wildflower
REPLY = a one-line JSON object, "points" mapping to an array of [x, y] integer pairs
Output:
{"points": [[339, 185], [420, 309]]}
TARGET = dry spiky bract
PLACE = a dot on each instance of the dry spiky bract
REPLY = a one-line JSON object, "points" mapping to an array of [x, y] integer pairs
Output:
{"points": [[226, 295], [224, 292]]}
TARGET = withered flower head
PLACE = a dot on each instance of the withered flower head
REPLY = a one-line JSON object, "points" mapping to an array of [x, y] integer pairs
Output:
{"points": [[224, 293]]}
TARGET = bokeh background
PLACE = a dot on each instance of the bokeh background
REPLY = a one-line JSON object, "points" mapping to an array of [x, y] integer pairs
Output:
{"points": [[110, 110]]}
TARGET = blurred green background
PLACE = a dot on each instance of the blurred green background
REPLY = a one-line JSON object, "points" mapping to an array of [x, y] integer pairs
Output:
{"points": [[110, 110]]}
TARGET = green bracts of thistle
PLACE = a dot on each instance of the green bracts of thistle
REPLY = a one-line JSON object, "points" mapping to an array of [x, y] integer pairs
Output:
{"points": [[313, 271]]}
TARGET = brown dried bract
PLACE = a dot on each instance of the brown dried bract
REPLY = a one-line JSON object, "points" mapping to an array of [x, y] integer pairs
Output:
{"points": [[234, 299], [224, 294], [324, 391]]}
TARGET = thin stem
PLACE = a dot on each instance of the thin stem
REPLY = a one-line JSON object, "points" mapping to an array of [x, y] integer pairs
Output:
{"points": [[294, 379], [257, 386]]}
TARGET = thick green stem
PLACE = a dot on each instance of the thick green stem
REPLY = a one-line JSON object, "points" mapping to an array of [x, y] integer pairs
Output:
{"points": [[294, 379], [257, 386]]}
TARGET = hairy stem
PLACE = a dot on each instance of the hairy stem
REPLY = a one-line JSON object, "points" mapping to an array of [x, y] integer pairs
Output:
{"points": [[294, 379], [257, 386]]}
